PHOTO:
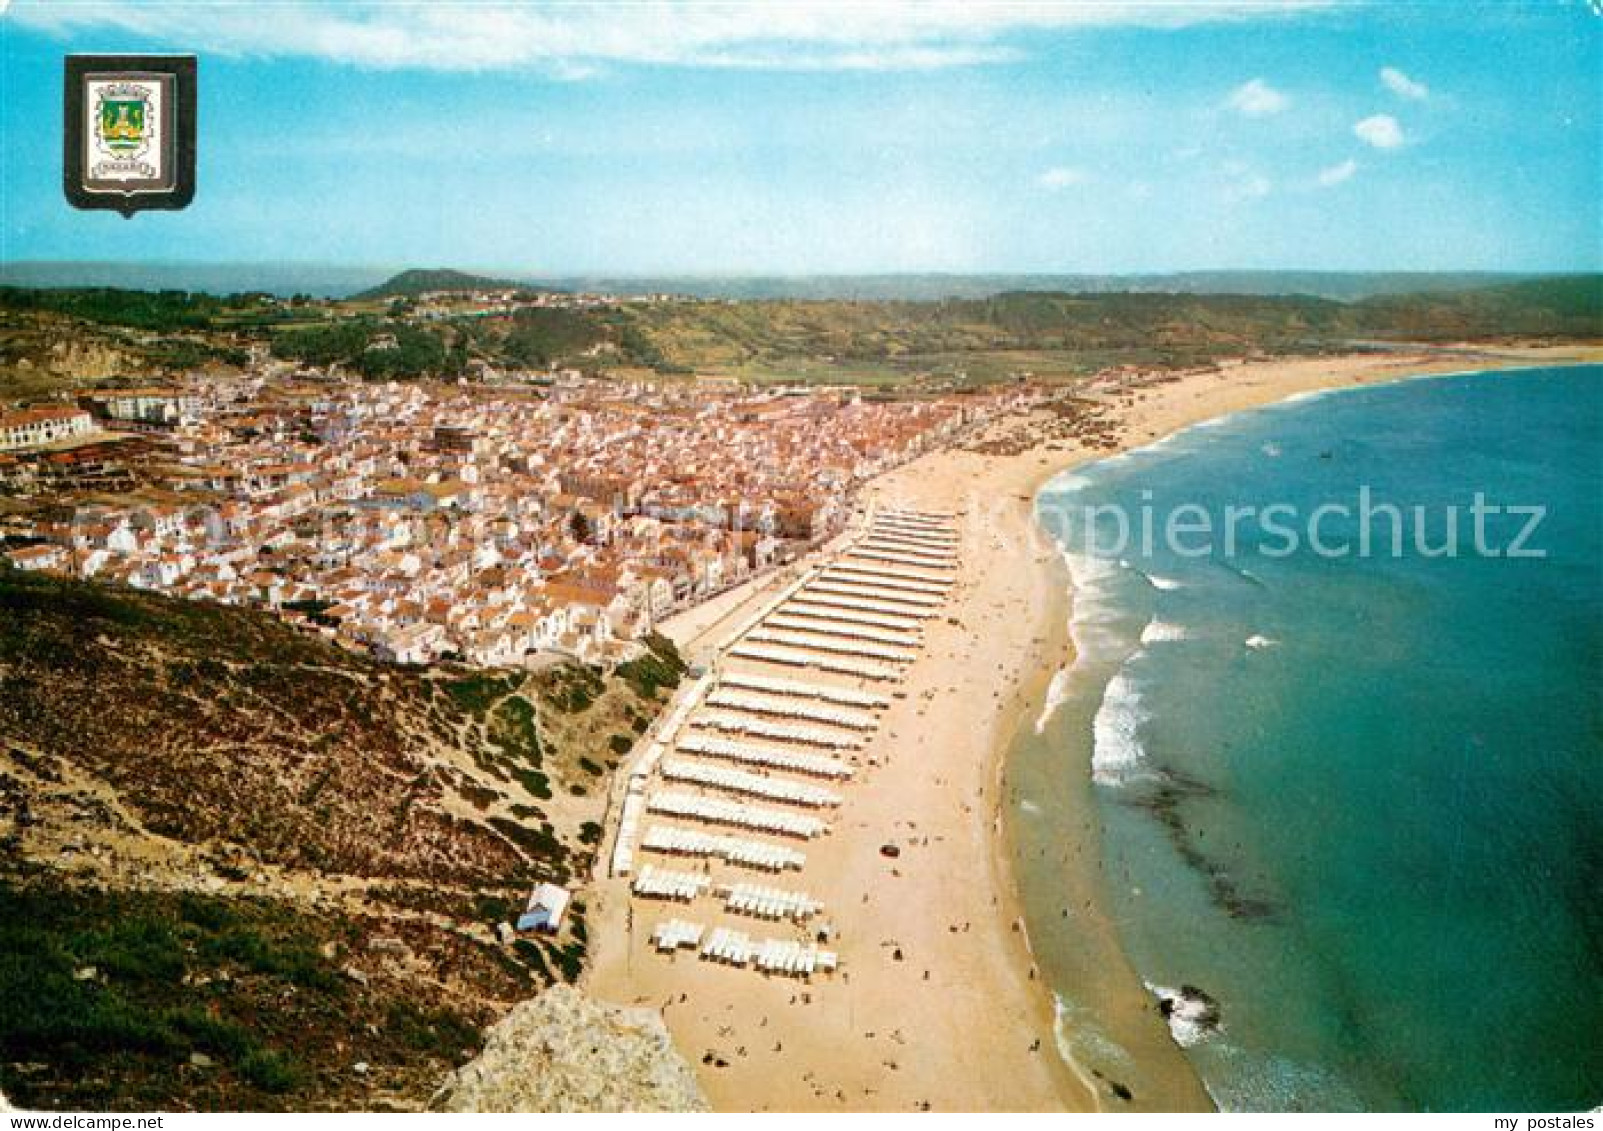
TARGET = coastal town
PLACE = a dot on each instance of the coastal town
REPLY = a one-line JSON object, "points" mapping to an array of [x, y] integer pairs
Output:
{"points": [[692, 689], [421, 521], [784, 558]]}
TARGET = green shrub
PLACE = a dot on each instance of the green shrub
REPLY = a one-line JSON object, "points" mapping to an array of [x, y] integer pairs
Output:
{"points": [[536, 783], [476, 694], [270, 1071], [439, 1032], [514, 728], [660, 667]]}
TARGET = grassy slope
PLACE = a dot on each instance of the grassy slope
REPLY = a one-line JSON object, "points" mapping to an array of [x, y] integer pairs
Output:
{"points": [[977, 340], [1050, 333], [132, 1000], [226, 818]]}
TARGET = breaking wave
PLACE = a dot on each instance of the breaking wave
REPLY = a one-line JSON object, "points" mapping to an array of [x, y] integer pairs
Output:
{"points": [[1067, 483], [1192, 1018], [1083, 1045], [1157, 581], [1256, 1083], [1117, 755], [1095, 604], [1304, 398], [1057, 691], [1160, 632], [1094, 615]]}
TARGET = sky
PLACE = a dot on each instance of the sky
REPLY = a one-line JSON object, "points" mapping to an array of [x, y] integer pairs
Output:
{"points": [[814, 137]]}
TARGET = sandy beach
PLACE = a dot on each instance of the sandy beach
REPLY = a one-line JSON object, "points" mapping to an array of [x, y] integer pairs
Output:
{"points": [[938, 1003]]}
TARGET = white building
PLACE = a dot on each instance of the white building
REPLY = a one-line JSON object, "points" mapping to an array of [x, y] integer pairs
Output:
{"points": [[35, 427]]}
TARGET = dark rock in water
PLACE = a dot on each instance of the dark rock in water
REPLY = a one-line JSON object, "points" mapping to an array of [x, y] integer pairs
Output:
{"points": [[1241, 907], [1191, 1013], [1121, 1091], [1207, 1012], [1178, 783], [1163, 803]]}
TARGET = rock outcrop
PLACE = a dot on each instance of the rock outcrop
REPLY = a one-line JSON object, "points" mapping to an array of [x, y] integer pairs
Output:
{"points": [[1193, 1015], [561, 1051]]}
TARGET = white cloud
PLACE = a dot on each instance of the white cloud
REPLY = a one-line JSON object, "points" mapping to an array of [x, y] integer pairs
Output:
{"points": [[1257, 99], [1336, 174], [1380, 130], [1243, 182], [1060, 177], [1403, 86], [458, 35]]}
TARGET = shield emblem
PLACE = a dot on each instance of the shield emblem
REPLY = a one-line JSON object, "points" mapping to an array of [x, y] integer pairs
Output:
{"points": [[129, 136]]}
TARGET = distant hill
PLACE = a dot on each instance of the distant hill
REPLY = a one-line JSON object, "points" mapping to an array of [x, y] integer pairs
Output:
{"points": [[1343, 286], [1064, 333], [60, 338], [282, 279], [1563, 305], [334, 281], [422, 280]]}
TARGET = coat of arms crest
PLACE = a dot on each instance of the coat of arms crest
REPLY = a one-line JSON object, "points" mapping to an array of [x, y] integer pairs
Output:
{"points": [[121, 124], [130, 125]]}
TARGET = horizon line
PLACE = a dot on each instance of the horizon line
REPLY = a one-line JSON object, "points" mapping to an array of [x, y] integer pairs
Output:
{"points": [[760, 273]]}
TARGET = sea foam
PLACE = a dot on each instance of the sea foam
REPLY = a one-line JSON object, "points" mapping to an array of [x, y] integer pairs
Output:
{"points": [[1095, 604], [1090, 573], [1067, 483], [1254, 1082], [1082, 1044], [1161, 632], [1094, 609], [1191, 1020], [1056, 692], [1117, 755], [1157, 581]]}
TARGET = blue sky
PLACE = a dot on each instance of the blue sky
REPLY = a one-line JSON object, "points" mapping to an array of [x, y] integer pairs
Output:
{"points": [[827, 138]]}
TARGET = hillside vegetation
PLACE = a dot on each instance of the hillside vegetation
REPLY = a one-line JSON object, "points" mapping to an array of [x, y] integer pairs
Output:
{"points": [[422, 280], [236, 862], [1058, 332], [971, 340]]}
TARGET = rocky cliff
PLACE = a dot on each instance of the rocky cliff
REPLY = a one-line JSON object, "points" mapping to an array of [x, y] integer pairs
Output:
{"points": [[562, 1051]]}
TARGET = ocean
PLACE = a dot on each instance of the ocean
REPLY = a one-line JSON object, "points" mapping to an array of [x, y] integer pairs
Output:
{"points": [[1355, 800]]}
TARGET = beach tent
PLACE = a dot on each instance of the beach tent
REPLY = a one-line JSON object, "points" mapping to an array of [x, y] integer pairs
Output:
{"points": [[547, 905]]}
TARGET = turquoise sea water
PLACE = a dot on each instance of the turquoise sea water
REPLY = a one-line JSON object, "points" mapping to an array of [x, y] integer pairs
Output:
{"points": [[1358, 800]]}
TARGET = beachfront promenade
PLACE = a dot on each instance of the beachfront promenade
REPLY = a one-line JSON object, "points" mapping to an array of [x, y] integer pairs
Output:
{"points": [[749, 764]]}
